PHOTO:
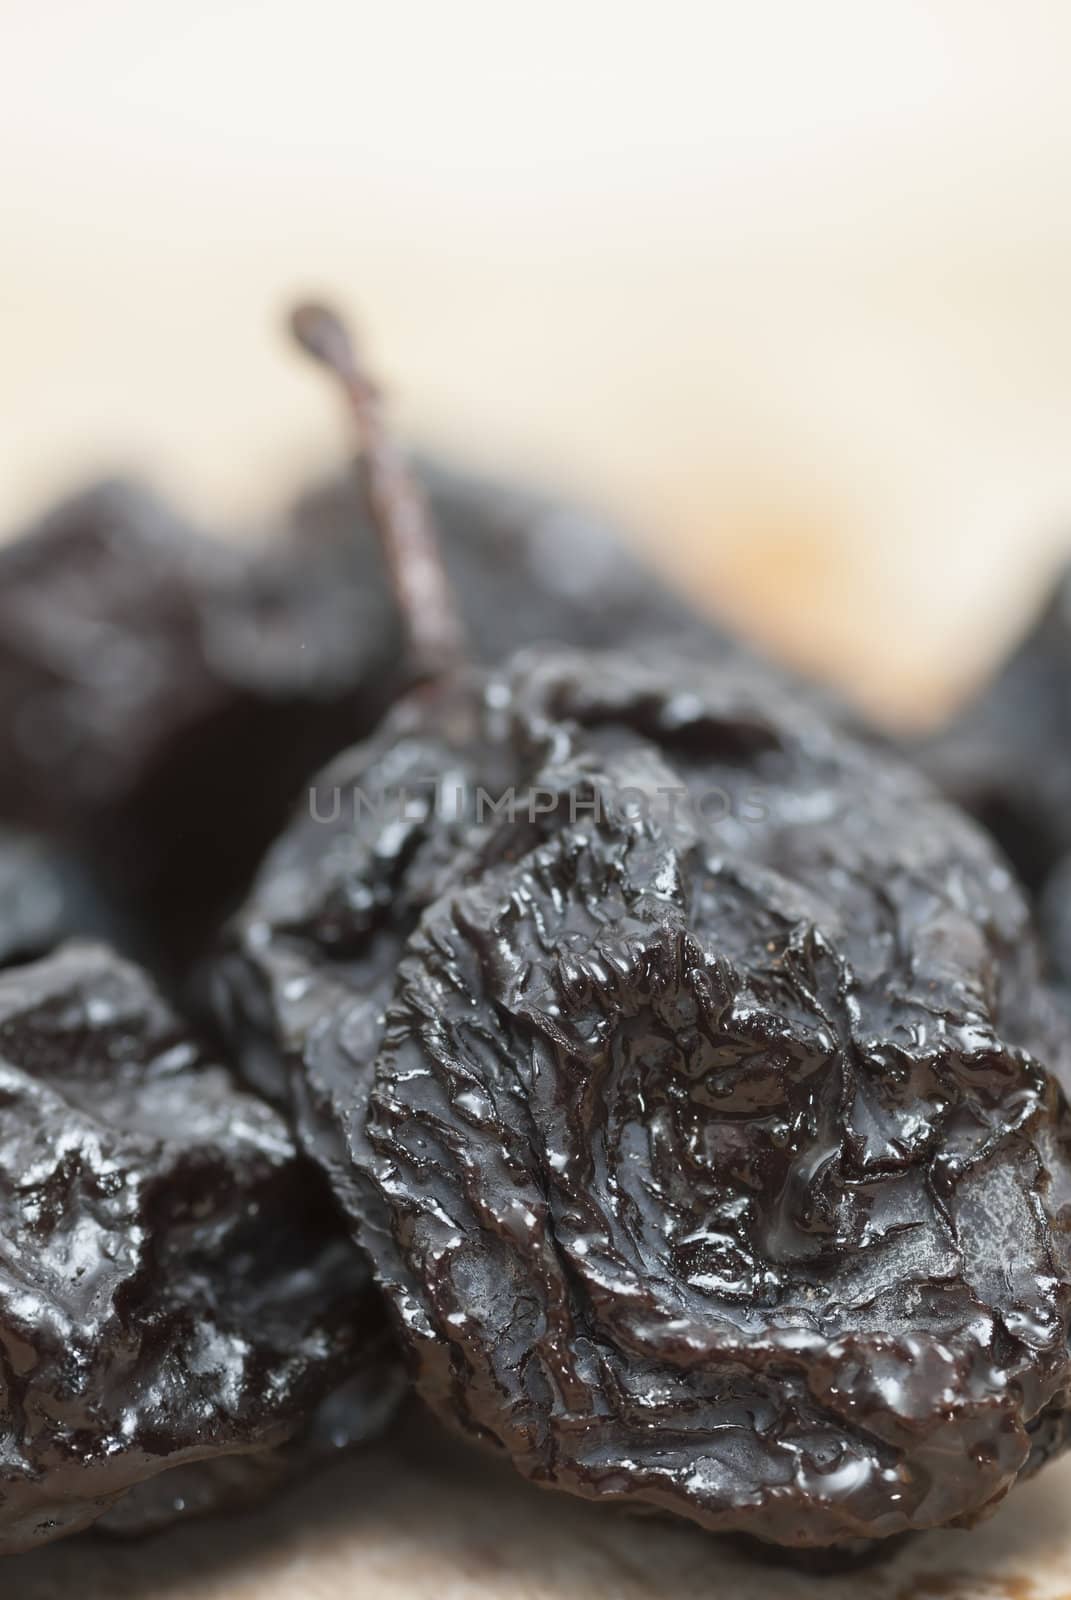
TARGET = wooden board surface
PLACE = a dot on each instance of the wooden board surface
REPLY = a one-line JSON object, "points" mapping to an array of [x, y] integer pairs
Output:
{"points": [[424, 1518]]}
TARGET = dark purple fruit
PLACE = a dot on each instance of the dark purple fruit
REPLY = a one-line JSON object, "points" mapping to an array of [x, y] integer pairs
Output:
{"points": [[180, 1311], [684, 1068]]}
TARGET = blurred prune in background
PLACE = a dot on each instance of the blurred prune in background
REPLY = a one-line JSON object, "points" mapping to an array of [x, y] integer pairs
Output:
{"points": [[46, 895], [1006, 756], [164, 695]]}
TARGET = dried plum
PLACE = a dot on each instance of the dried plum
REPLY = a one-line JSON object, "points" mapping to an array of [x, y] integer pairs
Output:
{"points": [[179, 1306], [46, 896], [527, 568], [163, 695], [684, 1067], [710, 1165], [1054, 917], [1006, 756]]}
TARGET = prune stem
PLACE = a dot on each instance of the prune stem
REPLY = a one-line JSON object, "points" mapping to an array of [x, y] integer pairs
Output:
{"points": [[399, 511]]}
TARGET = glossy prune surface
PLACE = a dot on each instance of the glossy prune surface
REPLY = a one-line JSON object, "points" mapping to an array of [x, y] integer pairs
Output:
{"points": [[164, 695], [697, 1109], [179, 1305]]}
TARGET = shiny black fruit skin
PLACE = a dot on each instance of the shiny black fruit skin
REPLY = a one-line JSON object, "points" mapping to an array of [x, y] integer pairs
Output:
{"points": [[708, 1144], [181, 1313]]}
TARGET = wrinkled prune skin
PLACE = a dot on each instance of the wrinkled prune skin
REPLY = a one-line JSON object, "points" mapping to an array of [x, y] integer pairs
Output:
{"points": [[707, 1153], [176, 1291], [164, 695], [1006, 757]]}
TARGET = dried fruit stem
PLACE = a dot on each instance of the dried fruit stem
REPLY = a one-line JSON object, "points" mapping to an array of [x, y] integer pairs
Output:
{"points": [[399, 511]]}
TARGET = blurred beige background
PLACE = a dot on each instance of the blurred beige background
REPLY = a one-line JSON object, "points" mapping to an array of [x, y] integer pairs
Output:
{"points": [[785, 284]]}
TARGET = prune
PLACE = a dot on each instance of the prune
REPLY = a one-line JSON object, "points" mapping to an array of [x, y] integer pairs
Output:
{"points": [[164, 695], [683, 1064], [1007, 756], [1054, 918], [711, 1165], [46, 896], [526, 568], [179, 1305]]}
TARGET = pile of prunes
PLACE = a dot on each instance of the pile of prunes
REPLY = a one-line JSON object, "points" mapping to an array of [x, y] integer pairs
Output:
{"points": [[437, 959]]}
